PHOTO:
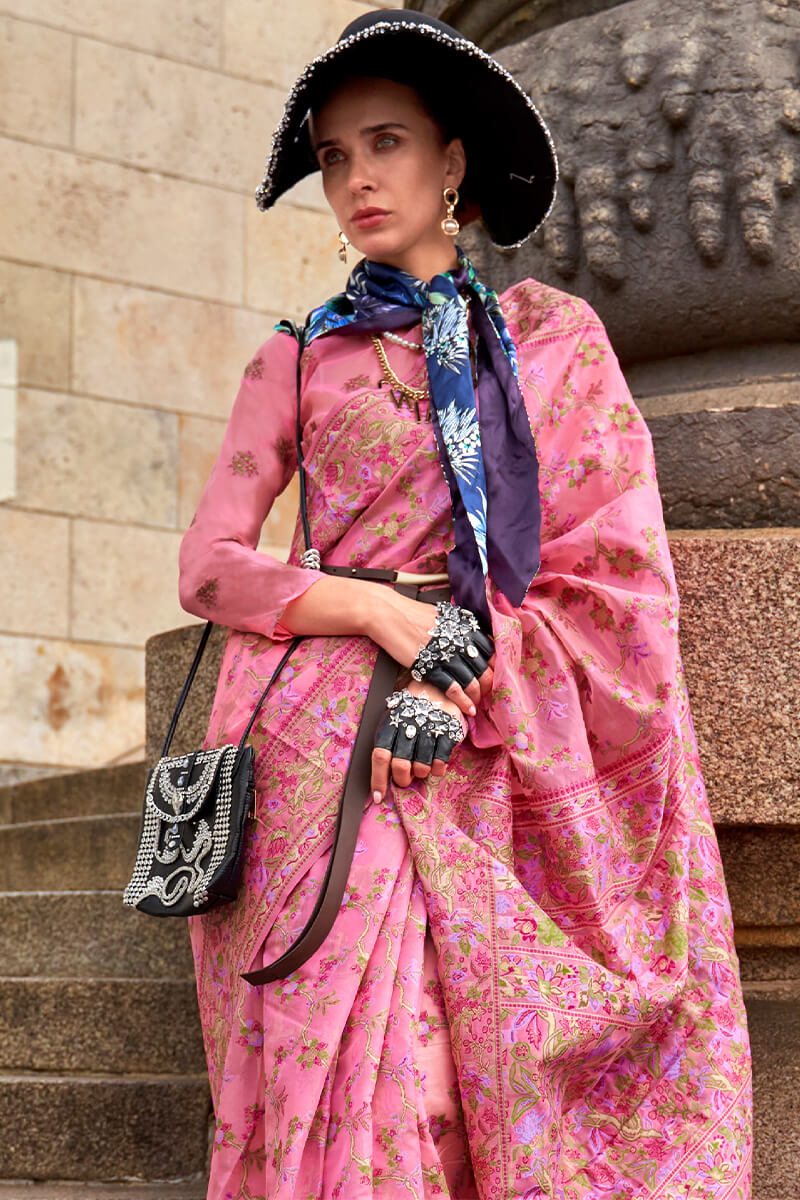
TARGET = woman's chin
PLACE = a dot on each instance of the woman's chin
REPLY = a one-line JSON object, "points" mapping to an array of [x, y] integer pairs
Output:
{"points": [[379, 243]]}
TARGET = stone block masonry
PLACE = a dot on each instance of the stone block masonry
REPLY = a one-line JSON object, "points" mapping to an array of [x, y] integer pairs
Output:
{"points": [[137, 279]]}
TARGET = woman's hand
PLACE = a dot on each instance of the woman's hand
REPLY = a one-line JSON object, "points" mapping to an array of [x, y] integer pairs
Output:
{"points": [[404, 629], [403, 770], [334, 606]]}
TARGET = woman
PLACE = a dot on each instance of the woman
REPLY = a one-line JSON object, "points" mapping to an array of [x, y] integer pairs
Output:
{"points": [[530, 988]]}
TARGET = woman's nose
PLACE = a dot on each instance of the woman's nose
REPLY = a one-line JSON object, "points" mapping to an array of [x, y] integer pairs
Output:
{"points": [[360, 178]]}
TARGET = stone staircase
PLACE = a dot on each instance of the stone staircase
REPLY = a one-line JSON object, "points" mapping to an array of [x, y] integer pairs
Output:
{"points": [[102, 1075]]}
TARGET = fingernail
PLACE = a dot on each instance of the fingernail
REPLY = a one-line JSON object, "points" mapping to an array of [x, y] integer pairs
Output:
{"points": [[377, 796], [472, 710]]}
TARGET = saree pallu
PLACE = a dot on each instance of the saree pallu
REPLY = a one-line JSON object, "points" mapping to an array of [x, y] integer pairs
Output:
{"points": [[531, 989]]}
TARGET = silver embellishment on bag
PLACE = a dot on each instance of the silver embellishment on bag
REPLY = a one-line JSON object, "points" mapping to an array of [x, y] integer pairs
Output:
{"points": [[168, 808]]}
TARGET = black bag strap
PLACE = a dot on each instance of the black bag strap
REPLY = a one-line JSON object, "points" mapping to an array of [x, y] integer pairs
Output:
{"points": [[297, 332]]}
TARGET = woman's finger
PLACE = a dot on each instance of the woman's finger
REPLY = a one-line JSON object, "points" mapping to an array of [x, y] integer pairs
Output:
{"points": [[401, 771], [440, 678], [476, 662], [483, 643], [486, 680], [459, 671], [379, 780], [444, 747], [425, 750], [456, 693]]}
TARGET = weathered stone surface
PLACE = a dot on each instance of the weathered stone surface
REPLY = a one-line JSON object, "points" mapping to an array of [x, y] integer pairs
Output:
{"points": [[70, 704], [8, 430], [784, 938], [167, 116], [103, 1191], [275, 44], [771, 963], [88, 934], [34, 582], [184, 29], [12, 773], [739, 630], [168, 656], [675, 214], [97, 225], [94, 459], [292, 272], [774, 1037], [131, 1026], [718, 380], [199, 443], [114, 567], [73, 852], [102, 1126], [728, 470], [495, 23], [35, 81], [79, 794], [25, 1190], [762, 871], [35, 305], [162, 351]]}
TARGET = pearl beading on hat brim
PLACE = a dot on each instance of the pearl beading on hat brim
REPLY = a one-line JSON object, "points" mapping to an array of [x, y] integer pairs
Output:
{"points": [[263, 192]]}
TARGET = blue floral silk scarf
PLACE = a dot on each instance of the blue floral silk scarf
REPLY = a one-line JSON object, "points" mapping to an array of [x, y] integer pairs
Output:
{"points": [[486, 446]]}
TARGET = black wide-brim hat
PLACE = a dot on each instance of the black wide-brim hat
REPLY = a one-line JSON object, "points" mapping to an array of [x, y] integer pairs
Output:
{"points": [[511, 161]]}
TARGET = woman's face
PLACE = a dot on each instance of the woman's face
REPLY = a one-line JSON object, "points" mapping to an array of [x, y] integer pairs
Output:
{"points": [[384, 170]]}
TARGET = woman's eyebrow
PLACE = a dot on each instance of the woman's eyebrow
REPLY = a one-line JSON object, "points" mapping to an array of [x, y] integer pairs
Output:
{"points": [[362, 133]]}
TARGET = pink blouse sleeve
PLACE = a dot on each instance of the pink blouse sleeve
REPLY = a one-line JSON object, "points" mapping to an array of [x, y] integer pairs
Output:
{"points": [[223, 577]]}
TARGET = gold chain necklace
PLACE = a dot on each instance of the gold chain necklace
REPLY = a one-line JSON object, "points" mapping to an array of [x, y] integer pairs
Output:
{"points": [[400, 392]]}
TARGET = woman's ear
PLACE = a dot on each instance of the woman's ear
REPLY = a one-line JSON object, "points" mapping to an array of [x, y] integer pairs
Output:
{"points": [[455, 161]]}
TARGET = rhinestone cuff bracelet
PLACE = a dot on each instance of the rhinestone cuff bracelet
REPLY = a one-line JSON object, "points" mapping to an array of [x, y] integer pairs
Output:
{"points": [[418, 714], [449, 636]]}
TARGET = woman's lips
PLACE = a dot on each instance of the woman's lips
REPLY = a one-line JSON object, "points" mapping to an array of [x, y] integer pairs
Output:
{"points": [[370, 218]]}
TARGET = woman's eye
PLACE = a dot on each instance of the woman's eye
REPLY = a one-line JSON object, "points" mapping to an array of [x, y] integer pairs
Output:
{"points": [[386, 139], [331, 156]]}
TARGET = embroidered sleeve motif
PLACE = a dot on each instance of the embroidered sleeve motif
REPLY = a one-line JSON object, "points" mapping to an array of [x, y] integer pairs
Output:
{"points": [[207, 593], [255, 368], [244, 463]]}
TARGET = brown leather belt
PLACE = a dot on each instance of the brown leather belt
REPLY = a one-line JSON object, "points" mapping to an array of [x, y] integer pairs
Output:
{"points": [[356, 790]]}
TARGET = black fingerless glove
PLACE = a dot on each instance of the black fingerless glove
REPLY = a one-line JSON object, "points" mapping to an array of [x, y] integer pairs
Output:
{"points": [[458, 651], [416, 729]]}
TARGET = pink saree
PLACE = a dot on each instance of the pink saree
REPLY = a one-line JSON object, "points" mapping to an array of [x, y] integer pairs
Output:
{"points": [[531, 989]]}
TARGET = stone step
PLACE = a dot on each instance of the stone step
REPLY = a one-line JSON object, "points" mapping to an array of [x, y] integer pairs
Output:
{"points": [[775, 1039], [69, 853], [107, 1127], [79, 794], [25, 1190], [134, 1026], [89, 935]]}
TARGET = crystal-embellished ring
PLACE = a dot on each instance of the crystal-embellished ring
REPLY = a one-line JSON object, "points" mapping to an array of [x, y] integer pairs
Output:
{"points": [[455, 632]]}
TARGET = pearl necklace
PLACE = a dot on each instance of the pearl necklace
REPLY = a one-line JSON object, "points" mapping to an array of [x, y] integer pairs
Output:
{"points": [[394, 337]]}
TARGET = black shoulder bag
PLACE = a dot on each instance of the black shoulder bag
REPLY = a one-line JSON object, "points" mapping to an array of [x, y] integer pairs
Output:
{"points": [[195, 805]]}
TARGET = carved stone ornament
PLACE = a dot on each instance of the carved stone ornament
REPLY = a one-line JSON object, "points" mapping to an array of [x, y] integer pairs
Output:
{"points": [[676, 127]]}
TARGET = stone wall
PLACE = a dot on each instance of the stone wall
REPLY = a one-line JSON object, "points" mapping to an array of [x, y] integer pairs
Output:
{"points": [[136, 279]]}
